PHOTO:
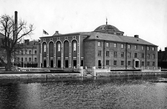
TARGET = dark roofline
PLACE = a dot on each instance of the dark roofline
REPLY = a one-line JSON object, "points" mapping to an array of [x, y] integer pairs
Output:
{"points": [[120, 42]]}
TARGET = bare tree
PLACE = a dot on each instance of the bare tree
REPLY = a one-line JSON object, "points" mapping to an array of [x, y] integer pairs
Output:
{"points": [[12, 36]]}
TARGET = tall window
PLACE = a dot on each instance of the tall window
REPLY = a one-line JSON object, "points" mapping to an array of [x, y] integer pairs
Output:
{"points": [[115, 54], [129, 62], [29, 51], [153, 48], [142, 55], [107, 44], [142, 63], [122, 54], [148, 48], [136, 47], [107, 53], [44, 48], [142, 48], [29, 59], [129, 55], [115, 62], [122, 45], [107, 62], [59, 46], [74, 46], [153, 56], [35, 52], [99, 53], [129, 46], [115, 45], [135, 55], [148, 56], [25, 59], [98, 44], [122, 62]]}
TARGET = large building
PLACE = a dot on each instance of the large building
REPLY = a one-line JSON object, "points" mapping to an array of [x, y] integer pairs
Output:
{"points": [[162, 58], [104, 47], [27, 55]]}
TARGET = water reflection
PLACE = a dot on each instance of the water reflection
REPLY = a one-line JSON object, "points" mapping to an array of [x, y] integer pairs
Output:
{"points": [[103, 93]]}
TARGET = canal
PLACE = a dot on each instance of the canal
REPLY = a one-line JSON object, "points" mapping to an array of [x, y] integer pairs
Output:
{"points": [[87, 93]]}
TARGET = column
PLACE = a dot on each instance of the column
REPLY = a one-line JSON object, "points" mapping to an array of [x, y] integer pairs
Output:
{"points": [[62, 54], [54, 59], [70, 55], [47, 55]]}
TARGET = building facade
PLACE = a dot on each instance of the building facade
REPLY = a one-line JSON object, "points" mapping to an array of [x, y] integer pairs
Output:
{"points": [[104, 47], [27, 56], [162, 58]]}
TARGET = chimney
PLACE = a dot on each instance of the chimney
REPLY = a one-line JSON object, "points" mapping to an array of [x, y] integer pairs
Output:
{"points": [[136, 36], [26, 41], [15, 25]]}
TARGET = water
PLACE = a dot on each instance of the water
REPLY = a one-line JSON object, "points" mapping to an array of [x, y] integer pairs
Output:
{"points": [[102, 93]]}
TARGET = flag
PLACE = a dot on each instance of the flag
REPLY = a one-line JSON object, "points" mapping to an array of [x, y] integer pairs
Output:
{"points": [[44, 32]]}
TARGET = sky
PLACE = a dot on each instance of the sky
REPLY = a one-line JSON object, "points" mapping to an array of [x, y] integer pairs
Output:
{"points": [[146, 18]]}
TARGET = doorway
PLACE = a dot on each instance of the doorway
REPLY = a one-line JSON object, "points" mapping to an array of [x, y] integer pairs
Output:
{"points": [[44, 63], [51, 63], [59, 63], [66, 63], [99, 63], [75, 63]]}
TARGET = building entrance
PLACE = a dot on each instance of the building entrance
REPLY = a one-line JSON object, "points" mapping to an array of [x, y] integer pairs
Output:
{"points": [[75, 63], [66, 63], [59, 63], [51, 63], [99, 63], [44, 63], [136, 63]]}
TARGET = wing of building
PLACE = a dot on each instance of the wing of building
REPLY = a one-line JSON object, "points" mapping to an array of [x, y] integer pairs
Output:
{"points": [[104, 47]]}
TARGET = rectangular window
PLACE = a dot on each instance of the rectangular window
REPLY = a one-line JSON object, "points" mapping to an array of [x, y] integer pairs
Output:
{"points": [[98, 44], [107, 44], [107, 62], [142, 63], [99, 53], [29, 59], [129, 55], [122, 54], [115, 54], [107, 53], [135, 55], [142, 55], [25, 59], [129, 62], [153, 56], [142, 48], [115, 62], [122, 45], [129, 46], [115, 45], [148, 63], [153, 48], [148, 48], [153, 64], [148, 56], [122, 62], [136, 47], [74, 46]]}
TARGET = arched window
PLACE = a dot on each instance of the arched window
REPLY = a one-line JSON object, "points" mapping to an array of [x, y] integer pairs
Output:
{"points": [[74, 46], [58, 46], [44, 48]]}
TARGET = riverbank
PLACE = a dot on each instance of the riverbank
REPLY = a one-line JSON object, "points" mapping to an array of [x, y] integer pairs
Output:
{"points": [[83, 74]]}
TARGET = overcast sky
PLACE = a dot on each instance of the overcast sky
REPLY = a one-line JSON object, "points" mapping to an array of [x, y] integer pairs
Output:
{"points": [[147, 18]]}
